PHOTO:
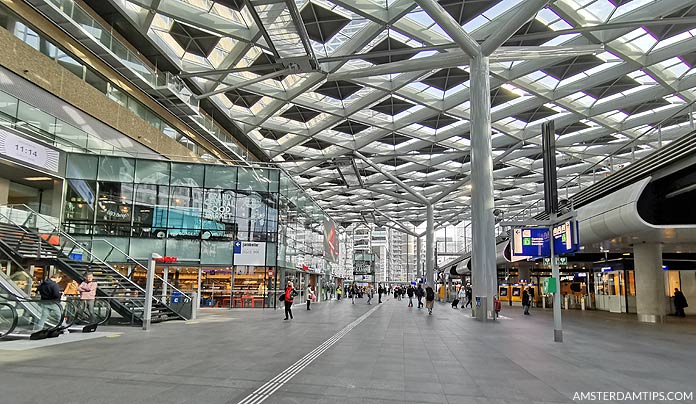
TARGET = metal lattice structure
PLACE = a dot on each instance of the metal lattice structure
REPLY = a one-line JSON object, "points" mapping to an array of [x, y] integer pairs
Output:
{"points": [[311, 82]]}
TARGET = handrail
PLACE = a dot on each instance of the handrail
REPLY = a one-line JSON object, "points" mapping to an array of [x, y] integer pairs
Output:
{"points": [[15, 319], [128, 257], [69, 238]]}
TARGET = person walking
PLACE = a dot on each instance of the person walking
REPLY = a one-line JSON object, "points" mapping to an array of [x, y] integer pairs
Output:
{"points": [[525, 301], [353, 292], [469, 296], [380, 290], [429, 299], [310, 296], [88, 293], [496, 306], [461, 295], [49, 290], [339, 292], [410, 292], [680, 302], [288, 298], [419, 295], [370, 292]]}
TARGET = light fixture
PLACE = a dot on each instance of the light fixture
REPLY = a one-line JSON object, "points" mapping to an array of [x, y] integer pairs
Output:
{"points": [[38, 179]]}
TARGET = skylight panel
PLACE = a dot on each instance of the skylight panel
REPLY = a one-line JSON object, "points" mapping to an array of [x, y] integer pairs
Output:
{"points": [[676, 39], [600, 9], [639, 40], [675, 67], [628, 7]]}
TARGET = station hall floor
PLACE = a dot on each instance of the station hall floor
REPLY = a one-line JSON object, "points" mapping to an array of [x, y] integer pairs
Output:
{"points": [[344, 353]]}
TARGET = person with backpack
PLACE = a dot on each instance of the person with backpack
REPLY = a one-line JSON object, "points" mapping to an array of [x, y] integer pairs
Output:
{"points": [[410, 292], [49, 290], [288, 297], [429, 299]]}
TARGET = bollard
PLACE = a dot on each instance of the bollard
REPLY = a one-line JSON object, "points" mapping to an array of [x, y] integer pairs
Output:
{"points": [[543, 301], [582, 303], [195, 305]]}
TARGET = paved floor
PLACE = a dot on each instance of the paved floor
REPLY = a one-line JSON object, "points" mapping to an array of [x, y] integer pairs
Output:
{"points": [[393, 355]]}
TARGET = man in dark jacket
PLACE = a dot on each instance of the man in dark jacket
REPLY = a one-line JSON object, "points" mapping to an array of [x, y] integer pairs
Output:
{"points": [[49, 290], [380, 291], [680, 302], [419, 294], [525, 301]]}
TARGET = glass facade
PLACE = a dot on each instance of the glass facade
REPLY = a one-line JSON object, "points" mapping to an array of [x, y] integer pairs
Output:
{"points": [[191, 211]]}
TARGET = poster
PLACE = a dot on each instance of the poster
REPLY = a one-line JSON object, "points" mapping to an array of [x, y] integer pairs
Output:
{"points": [[331, 250]]}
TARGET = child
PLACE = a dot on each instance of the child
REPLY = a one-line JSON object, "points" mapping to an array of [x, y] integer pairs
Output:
{"points": [[496, 305]]}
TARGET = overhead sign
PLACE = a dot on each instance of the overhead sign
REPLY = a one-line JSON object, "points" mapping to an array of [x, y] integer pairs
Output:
{"points": [[565, 238], [531, 242], [363, 268], [559, 260], [249, 253], [27, 151]]}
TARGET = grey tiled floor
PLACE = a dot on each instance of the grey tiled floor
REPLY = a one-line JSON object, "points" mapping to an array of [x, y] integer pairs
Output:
{"points": [[397, 355]]}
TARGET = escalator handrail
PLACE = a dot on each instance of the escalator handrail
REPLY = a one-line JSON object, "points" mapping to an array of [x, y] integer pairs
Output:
{"points": [[58, 303], [15, 319]]}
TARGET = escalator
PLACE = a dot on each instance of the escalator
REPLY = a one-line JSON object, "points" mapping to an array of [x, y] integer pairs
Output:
{"points": [[27, 238]]}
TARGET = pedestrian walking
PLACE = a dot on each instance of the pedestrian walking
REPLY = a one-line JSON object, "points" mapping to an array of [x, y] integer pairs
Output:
{"points": [[380, 291], [410, 292], [419, 294], [370, 293], [496, 306], [469, 296], [429, 299], [288, 297], [49, 290], [88, 293], [339, 292], [526, 301], [680, 302], [461, 295], [353, 292], [310, 296]]}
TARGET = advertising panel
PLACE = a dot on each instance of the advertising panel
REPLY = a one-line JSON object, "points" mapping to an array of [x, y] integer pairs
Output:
{"points": [[330, 240], [249, 253]]}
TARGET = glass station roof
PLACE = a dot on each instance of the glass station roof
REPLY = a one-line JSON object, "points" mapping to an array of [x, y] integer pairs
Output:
{"points": [[284, 72]]}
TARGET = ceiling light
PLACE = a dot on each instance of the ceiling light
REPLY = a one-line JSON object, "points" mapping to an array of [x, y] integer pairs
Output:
{"points": [[38, 179]]}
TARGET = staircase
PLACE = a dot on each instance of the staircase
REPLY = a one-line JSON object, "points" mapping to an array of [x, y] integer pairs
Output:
{"points": [[28, 243]]}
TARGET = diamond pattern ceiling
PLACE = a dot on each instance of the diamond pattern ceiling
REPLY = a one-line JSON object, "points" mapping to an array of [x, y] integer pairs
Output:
{"points": [[415, 124]]}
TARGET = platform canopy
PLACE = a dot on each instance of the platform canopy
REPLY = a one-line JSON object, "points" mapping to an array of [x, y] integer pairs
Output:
{"points": [[309, 82]]}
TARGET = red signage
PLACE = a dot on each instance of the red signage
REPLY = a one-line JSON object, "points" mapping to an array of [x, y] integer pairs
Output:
{"points": [[166, 260], [270, 273], [305, 267]]}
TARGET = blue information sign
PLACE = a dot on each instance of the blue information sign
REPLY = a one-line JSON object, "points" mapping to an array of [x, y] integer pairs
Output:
{"points": [[565, 238], [531, 242]]}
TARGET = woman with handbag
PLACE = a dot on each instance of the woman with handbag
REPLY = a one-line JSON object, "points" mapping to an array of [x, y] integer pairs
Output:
{"points": [[310, 296], [288, 298]]}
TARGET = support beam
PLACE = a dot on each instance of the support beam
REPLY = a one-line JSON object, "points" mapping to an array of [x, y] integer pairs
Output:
{"points": [[393, 178], [483, 253], [419, 267], [430, 245], [451, 27], [403, 229], [527, 11], [245, 83]]}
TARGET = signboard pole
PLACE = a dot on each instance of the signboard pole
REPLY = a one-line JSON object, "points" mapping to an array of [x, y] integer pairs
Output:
{"points": [[555, 273], [149, 286]]}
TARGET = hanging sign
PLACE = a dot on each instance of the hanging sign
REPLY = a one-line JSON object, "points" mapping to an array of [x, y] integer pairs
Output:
{"points": [[565, 237], [532, 242], [249, 253]]}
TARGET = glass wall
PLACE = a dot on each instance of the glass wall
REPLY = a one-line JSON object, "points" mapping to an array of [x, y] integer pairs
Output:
{"points": [[191, 211]]}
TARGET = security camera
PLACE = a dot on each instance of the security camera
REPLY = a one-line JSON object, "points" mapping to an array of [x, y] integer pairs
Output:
{"points": [[498, 212]]}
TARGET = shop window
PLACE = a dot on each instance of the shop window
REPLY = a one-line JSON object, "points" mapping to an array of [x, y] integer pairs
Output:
{"points": [[189, 175], [224, 177], [253, 179], [116, 169], [152, 172], [114, 208], [185, 213], [150, 210], [79, 206], [82, 166], [219, 219]]}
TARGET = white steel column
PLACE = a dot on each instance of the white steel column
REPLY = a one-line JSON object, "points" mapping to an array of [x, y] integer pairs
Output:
{"points": [[650, 282], [430, 245], [483, 253], [419, 268]]}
